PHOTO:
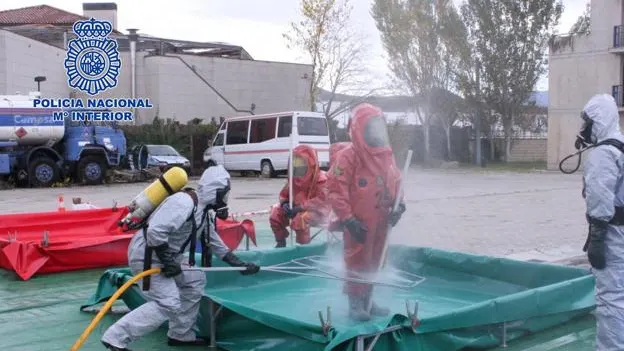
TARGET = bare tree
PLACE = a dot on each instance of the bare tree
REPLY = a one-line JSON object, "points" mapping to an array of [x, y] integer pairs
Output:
{"points": [[337, 51]]}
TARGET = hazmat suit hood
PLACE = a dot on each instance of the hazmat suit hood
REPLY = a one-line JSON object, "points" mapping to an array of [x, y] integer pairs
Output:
{"points": [[305, 156], [369, 138], [213, 188], [368, 132], [605, 119]]}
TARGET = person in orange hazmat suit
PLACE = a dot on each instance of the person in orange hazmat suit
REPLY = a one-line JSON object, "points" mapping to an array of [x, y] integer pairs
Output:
{"points": [[310, 207], [363, 183]]}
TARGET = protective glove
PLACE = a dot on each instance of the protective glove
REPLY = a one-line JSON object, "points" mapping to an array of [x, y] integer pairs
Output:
{"points": [[286, 209], [595, 246], [395, 216], [291, 212], [295, 211], [357, 229], [170, 268], [234, 261]]}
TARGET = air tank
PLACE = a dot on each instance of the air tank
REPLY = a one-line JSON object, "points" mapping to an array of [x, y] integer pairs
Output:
{"points": [[27, 125]]}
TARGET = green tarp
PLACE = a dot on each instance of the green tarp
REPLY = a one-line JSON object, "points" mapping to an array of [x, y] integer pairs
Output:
{"points": [[462, 304]]}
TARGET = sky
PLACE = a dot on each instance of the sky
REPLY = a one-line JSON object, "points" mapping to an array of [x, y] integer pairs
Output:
{"points": [[256, 25]]}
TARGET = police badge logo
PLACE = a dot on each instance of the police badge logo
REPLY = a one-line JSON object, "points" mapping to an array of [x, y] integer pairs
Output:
{"points": [[92, 62]]}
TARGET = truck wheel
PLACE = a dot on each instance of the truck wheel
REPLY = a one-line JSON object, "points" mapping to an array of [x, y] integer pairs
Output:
{"points": [[266, 169], [43, 172], [92, 170]]}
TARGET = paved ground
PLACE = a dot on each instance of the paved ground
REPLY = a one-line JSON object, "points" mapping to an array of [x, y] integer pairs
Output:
{"points": [[494, 213]]}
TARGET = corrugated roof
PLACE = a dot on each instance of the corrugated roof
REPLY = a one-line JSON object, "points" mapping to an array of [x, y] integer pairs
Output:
{"points": [[41, 14]]}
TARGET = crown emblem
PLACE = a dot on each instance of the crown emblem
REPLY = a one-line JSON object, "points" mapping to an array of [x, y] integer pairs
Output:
{"points": [[92, 62], [92, 28]]}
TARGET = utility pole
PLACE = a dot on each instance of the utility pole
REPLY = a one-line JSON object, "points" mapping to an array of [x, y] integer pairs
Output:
{"points": [[478, 115]]}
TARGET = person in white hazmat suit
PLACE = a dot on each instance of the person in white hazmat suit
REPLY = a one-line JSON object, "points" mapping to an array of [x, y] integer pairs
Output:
{"points": [[603, 191], [174, 295]]}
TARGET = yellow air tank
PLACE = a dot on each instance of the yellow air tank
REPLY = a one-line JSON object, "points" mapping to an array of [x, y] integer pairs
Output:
{"points": [[143, 204]]}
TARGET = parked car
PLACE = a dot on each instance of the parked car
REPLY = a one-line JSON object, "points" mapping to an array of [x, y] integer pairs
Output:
{"points": [[165, 157], [261, 143]]}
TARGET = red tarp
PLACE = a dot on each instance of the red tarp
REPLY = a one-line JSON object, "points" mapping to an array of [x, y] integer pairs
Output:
{"points": [[80, 239]]}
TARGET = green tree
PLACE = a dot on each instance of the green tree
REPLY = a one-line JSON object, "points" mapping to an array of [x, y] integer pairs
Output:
{"points": [[510, 37], [583, 22], [426, 43]]}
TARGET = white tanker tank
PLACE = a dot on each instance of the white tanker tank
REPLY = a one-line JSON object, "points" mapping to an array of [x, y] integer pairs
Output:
{"points": [[27, 125]]}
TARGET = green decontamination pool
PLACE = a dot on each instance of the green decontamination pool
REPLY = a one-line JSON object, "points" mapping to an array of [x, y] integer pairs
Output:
{"points": [[465, 302]]}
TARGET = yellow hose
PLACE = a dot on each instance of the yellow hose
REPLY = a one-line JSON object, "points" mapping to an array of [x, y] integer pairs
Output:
{"points": [[107, 306]]}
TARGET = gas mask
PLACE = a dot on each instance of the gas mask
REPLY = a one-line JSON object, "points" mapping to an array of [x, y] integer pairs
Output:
{"points": [[583, 139], [221, 205], [376, 133], [300, 167]]}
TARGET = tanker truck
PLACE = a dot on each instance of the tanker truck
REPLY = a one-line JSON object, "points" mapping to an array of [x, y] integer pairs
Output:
{"points": [[38, 150]]}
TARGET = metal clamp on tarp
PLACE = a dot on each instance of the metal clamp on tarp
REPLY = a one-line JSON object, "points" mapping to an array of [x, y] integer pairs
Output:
{"points": [[212, 317], [326, 326], [412, 316]]}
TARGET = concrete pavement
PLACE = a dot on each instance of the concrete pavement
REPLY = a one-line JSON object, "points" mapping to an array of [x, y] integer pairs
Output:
{"points": [[482, 212]]}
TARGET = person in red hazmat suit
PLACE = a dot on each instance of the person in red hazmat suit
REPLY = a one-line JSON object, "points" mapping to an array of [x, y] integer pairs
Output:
{"points": [[362, 184], [334, 149], [310, 206]]}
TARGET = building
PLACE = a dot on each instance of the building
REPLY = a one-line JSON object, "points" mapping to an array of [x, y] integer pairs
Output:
{"points": [[183, 80], [581, 66]]}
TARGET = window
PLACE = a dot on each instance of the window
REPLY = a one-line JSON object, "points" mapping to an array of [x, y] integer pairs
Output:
{"points": [[223, 126], [218, 140], [262, 130], [162, 150], [312, 126], [285, 127], [237, 132]]}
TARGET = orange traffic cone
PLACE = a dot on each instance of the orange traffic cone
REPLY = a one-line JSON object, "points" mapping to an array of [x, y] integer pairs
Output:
{"points": [[61, 204]]}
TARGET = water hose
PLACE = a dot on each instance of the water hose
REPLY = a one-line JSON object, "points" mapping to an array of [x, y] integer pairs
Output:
{"points": [[85, 334], [578, 164]]}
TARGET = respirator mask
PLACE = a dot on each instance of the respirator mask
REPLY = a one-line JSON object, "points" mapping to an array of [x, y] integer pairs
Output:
{"points": [[583, 143], [583, 139], [221, 206]]}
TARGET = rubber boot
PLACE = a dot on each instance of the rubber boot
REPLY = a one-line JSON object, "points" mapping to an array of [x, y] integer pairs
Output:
{"points": [[113, 348], [280, 243], [357, 310], [196, 342], [379, 311], [375, 309]]}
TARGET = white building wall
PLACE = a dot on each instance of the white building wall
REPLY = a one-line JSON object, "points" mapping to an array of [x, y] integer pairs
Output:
{"points": [[172, 87], [577, 73], [22, 59], [181, 94]]}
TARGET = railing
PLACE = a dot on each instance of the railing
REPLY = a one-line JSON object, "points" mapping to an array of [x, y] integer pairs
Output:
{"points": [[618, 94], [617, 37]]}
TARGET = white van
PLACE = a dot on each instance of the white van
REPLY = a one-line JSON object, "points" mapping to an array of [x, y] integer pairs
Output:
{"points": [[261, 143]]}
